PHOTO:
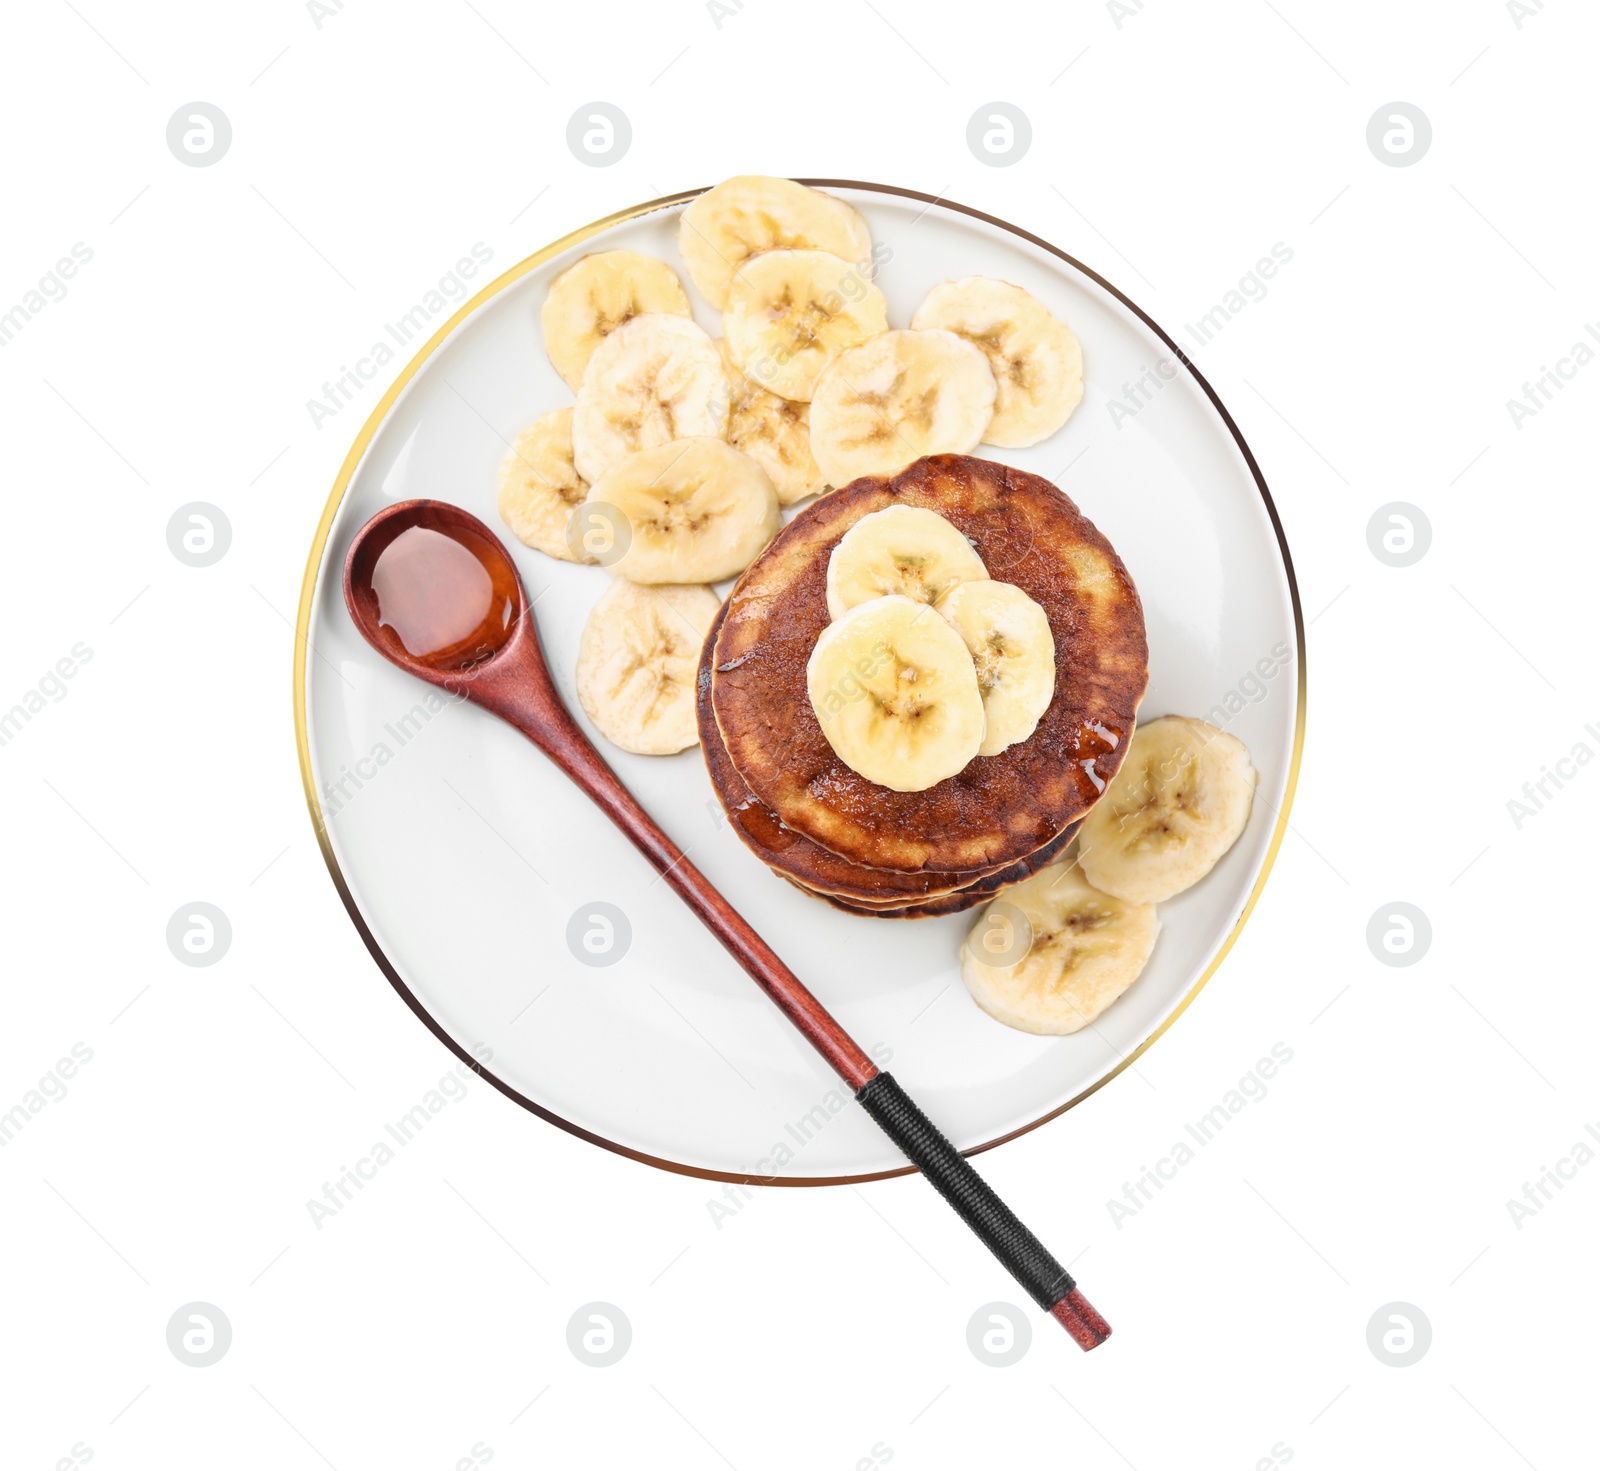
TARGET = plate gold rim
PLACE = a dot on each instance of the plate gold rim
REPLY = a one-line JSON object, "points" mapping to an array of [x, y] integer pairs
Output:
{"points": [[314, 568]]}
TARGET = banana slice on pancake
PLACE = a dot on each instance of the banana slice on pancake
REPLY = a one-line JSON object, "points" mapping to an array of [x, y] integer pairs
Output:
{"points": [[1051, 954], [655, 379], [1036, 359], [897, 397], [775, 432], [791, 312], [1008, 636], [905, 551], [539, 485], [751, 213], [694, 510], [604, 291], [1180, 801], [896, 695], [637, 663]]}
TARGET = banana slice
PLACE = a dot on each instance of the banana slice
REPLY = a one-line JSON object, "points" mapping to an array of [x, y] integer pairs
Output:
{"points": [[791, 312], [1036, 359], [1178, 804], [751, 213], [590, 300], [896, 397], [653, 380], [894, 690], [1008, 636], [539, 484], [1051, 954], [908, 551], [637, 663], [696, 510], [775, 432]]}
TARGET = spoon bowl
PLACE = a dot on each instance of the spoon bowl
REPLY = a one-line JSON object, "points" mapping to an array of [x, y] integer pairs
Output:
{"points": [[436, 527]]}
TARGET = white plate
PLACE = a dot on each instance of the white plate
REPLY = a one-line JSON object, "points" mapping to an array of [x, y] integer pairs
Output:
{"points": [[462, 854]]}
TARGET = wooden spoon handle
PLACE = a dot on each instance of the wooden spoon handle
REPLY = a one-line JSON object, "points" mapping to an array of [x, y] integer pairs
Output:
{"points": [[540, 714], [1012, 1243]]}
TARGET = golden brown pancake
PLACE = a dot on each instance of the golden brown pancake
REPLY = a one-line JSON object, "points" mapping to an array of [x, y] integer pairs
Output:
{"points": [[944, 904], [860, 889], [978, 892], [998, 809]]}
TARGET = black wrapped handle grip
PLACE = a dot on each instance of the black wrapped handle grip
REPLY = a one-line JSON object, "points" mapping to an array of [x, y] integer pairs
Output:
{"points": [[1017, 1248], [1022, 1254]]}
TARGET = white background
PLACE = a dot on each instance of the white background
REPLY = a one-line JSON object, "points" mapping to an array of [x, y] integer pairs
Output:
{"points": [[818, 1327]]}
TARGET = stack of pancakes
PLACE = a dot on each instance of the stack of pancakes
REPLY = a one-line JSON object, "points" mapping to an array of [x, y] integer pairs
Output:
{"points": [[867, 848]]}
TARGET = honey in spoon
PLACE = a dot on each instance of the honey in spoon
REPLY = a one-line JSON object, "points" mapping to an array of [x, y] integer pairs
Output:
{"points": [[449, 603]]}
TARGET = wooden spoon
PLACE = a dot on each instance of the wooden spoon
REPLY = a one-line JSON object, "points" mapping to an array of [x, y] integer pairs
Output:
{"points": [[434, 591]]}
